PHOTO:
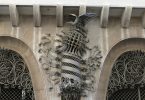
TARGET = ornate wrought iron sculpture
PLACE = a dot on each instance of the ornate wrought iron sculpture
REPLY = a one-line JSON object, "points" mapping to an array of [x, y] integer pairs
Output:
{"points": [[14, 73], [68, 60], [128, 72]]}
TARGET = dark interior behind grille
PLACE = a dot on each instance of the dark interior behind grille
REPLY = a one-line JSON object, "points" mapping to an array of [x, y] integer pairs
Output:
{"points": [[13, 93]]}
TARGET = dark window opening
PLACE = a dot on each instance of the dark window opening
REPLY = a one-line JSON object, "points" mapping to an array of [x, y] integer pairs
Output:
{"points": [[15, 80], [127, 80]]}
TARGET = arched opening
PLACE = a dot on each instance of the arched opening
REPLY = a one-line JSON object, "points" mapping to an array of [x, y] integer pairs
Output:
{"points": [[36, 74], [15, 80], [126, 45], [127, 80]]}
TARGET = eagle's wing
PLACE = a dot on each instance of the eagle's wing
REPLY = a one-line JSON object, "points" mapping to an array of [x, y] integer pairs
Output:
{"points": [[83, 19]]}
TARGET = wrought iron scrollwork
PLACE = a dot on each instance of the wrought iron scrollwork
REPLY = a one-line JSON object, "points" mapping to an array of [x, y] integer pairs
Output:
{"points": [[128, 72], [14, 73]]}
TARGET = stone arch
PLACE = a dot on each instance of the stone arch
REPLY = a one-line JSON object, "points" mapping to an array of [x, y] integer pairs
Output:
{"points": [[37, 76], [114, 53]]}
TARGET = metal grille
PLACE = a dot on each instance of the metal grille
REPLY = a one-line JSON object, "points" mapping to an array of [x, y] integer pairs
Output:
{"points": [[15, 81], [125, 94], [142, 93], [129, 94], [14, 93], [127, 81], [10, 94]]}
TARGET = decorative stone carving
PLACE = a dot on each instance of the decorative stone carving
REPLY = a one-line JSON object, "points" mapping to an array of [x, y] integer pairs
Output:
{"points": [[128, 71], [71, 65]]}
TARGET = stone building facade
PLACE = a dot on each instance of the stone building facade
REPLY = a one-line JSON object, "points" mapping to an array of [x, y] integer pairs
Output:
{"points": [[115, 30]]}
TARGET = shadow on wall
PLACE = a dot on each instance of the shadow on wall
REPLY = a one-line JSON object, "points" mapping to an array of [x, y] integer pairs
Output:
{"points": [[118, 49], [36, 74]]}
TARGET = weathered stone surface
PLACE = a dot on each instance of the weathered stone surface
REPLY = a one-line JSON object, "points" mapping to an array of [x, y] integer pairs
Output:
{"points": [[106, 38]]}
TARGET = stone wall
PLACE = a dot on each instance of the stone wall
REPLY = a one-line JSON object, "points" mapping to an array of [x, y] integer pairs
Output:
{"points": [[105, 38]]}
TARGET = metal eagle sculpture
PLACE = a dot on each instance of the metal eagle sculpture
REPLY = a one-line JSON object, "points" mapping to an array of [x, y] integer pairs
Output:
{"points": [[70, 64]]}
